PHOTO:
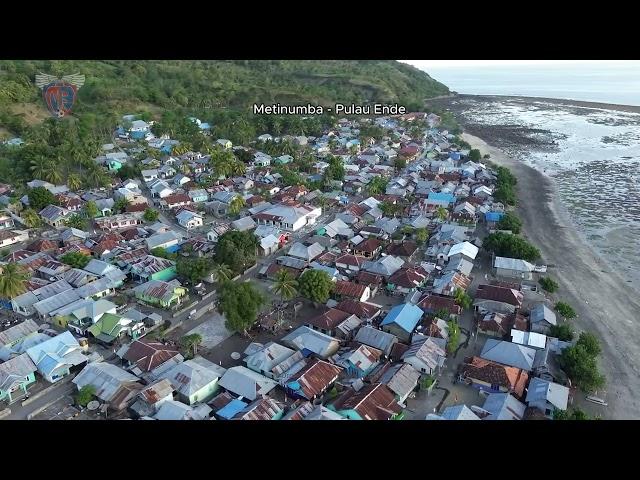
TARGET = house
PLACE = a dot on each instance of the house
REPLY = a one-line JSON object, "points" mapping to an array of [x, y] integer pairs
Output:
{"points": [[350, 263], [328, 321], [369, 248], [17, 339], [80, 316], [502, 406], [400, 378], [144, 355], [189, 220], [402, 320], [261, 409], [500, 324], [542, 318], [375, 338], [112, 326], [53, 215], [513, 268], [310, 341], [160, 189], [267, 358], [407, 280], [174, 410], [243, 224], [150, 175], [529, 339], [157, 292], [315, 378], [224, 143], [436, 200], [216, 232], [151, 398], [180, 180], [56, 357], [306, 253], [372, 402], [405, 249], [361, 361], [6, 222], [385, 266], [198, 196], [164, 240], [177, 200], [547, 396], [365, 311], [493, 377], [466, 249], [151, 267], [16, 374], [455, 412], [246, 383], [510, 354], [288, 217], [9, 237], [113, 385], [426, 354], [492, 298], [431, 304], [346, 290], [195, 380], [122, 220]]}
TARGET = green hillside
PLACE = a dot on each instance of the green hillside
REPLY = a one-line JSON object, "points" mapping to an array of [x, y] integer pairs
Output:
{"points": [[117, 87]]}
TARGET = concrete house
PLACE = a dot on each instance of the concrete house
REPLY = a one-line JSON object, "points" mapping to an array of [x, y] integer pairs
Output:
{"points": [[542, 318], [492, 298], [510, 354], [56, 357], [16, 375], [547, 396], [189, 220], [246, 383], [265, 358]]}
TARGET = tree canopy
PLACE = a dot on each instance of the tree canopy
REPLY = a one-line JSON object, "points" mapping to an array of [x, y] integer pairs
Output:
{"points": [[580, 363], [76, 259], [237, 250], [511, 246], [40, 197], [240, 303], [510, 221], [316, 285]]}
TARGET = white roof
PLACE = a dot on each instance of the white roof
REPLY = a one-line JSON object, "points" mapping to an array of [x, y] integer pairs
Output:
{"points": [[513, 264], [531, 339], [465, 248]]}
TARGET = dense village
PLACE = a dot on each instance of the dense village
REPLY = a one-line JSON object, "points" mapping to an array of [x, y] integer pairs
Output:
{"points": [[219, 286]]}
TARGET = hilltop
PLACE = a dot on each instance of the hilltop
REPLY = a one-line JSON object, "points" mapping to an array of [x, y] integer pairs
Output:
{"points": [[118, 87]]}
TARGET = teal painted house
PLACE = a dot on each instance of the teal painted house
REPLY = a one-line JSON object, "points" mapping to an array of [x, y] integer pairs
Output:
{"points": [[15, 377], [114, 165]]}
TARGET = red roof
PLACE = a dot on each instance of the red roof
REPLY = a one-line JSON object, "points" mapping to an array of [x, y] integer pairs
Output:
{"points": [[511, 378], [349, 289], [404, 249], [370, 245], [431, 303], [136, 207], [177, 198], [329, 320], [499, 294], [372, 402], [359, 309], [148, 354], [316, 377], [367, 278], [353, 260], [42, 246], [409, 277]]}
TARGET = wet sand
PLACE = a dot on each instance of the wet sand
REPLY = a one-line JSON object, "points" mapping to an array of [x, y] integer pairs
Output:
{"points": [[604, 301]]}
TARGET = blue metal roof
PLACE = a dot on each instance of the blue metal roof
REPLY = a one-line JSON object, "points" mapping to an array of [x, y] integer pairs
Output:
{"points": [[406, 316], [493, 216], [231, 409], [442, 197]]}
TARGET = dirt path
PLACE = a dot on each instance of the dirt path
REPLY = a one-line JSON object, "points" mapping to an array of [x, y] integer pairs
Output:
{"points": [[604, 301]]}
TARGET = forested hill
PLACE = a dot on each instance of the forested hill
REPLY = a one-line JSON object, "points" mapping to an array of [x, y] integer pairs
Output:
{"points": [[117, 87]]}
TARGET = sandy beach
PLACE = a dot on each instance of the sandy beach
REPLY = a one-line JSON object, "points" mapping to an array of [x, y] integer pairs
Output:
{"points": [[604, 301]]}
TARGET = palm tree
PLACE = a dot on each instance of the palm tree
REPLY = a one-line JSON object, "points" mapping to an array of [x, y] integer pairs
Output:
{"points": [[222, 272], [238, 168], [31, 218], [52, 173], [39, 167], [76, 221], [74, 182], [442, 213], [286, 287], [236, 205], [191, 342], [12, 280]]}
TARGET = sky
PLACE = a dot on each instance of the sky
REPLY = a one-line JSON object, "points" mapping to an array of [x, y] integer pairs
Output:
{"points": [[424, 64]]}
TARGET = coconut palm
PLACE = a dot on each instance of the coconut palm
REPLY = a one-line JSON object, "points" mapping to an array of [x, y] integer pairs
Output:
{"points": [[462, 298], [238, 168], [286, 285], [236, 205], [31, 218], [222, 272], [442, 213], [53, 174], [12, 280], [191, 342], [76, 221], [39, 167], [74, 182]]}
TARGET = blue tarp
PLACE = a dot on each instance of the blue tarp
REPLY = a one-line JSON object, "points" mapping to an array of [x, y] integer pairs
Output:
{"points": [[493, 216], [231, 409]]}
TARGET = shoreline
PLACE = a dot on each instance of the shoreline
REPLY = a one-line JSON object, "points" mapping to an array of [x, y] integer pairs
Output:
{"points": [[605, 303], [556, 101]]}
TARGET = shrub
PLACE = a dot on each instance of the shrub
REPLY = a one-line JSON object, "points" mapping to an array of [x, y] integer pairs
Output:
{"points": [[565, 310], [548, 284]]}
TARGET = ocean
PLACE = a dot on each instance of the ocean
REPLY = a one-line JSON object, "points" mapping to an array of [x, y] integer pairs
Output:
{"points": [[592, 154], [617, 82]]}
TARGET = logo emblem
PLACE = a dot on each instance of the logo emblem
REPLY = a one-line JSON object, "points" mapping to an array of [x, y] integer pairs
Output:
{"points": [[59, 94]]}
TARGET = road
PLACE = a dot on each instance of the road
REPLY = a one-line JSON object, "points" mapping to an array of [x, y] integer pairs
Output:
{"points": [[20, 412]]}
